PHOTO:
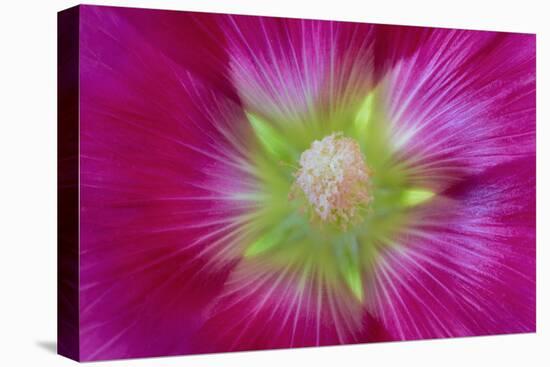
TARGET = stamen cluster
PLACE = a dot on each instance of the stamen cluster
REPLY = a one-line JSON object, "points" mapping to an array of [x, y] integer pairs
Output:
{"points": [[334, 178]]}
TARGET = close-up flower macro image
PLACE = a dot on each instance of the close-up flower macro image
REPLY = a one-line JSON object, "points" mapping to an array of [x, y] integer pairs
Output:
{"points": [[251, 183]]}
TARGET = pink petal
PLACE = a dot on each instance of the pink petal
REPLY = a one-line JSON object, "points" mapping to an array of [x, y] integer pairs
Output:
{"points": [[160, 155], [264, 309], [295, 69], [458, 101], [191, 40], [468, 266]]}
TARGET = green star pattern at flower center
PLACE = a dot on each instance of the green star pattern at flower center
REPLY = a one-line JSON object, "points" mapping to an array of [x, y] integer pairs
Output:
{"points": [[330, 193]]}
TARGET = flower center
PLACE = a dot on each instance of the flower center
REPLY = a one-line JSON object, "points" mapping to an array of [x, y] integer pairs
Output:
{"points": [[334, 179]]}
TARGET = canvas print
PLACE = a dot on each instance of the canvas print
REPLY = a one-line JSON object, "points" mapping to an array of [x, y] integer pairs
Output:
{"points": [[235, 183]]}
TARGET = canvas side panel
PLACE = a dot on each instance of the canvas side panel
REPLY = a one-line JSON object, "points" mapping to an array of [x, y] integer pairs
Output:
{"points": [[68, 183]]}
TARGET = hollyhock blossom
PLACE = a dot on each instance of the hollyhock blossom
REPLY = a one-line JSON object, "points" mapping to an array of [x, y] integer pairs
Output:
{"points": [[254, 182]]}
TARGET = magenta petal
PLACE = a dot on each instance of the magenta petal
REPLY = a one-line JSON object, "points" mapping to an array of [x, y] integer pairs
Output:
{"points": [[460, 101], [261, 309], [157, 162], [191, 40], [468, 268], [292, 69]]}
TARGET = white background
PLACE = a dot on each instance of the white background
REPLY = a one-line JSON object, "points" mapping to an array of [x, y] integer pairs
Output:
{"points": [[28, 183]]}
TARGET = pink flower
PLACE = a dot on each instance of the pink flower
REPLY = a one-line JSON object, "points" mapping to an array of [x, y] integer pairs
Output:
{"points": [[420, 224]]}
